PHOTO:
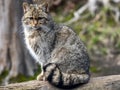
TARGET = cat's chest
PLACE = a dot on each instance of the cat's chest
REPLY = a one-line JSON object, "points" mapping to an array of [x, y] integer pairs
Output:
{"points": [[39, 49], [30, 44]]}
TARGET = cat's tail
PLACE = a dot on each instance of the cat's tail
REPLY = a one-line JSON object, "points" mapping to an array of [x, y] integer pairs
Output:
{"points": [[62, 80]]}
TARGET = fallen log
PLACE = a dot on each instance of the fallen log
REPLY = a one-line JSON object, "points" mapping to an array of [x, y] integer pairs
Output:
{"points": [[99, 83]]}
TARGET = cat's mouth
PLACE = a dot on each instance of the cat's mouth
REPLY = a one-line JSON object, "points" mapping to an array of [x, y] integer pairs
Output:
{"points": [[36, 28], [40, 28], [29, 27]]}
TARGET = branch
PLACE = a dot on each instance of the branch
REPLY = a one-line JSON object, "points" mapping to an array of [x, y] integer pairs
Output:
{"points": [[77, 14], [93, 5], [98, 83]]}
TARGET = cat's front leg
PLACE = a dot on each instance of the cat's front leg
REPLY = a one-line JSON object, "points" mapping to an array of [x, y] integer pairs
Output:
{"points": [[41, 76]]}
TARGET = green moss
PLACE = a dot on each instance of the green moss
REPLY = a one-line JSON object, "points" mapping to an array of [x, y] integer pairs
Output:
{"points": [[94, 69], [3, 75], [21, 78]]}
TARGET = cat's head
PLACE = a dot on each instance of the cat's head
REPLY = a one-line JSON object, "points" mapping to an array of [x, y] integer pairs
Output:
{"points": [[35, 16]]}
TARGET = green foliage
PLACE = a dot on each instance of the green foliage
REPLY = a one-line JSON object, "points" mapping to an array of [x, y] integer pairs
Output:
{"points": [[62, 19]]}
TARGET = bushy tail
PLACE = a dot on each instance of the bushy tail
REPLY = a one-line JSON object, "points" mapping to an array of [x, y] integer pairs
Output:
{"points": [[63, 80]]}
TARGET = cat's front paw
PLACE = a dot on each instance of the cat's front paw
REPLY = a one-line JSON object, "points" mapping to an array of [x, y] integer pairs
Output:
{"points": [[41, 77]]}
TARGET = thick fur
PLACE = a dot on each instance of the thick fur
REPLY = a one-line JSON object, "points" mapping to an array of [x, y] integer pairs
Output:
{"points": [[63, 80], [60, 52]]}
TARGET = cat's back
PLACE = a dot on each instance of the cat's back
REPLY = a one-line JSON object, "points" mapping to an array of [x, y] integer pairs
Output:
{"points": [[65, 36], [69, 50]]}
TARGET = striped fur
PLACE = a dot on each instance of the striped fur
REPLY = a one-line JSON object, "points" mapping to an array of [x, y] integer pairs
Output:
{"points": [[64, 80], [60, 52]]}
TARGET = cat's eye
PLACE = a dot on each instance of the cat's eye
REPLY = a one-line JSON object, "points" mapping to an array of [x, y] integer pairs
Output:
{"points": [[39, 18], [31, 18], [42, 18]]}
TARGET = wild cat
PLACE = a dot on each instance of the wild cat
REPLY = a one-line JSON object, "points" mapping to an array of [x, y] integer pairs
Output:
{"points": [[60, 52]]}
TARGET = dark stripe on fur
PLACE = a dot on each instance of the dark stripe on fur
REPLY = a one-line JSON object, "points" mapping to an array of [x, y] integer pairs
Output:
{"points": [[60, 84], [44, 68], [50, 76], [60, 80]]}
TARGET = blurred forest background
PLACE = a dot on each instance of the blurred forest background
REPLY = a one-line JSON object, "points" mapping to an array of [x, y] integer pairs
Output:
{"points": [[97, 22]]}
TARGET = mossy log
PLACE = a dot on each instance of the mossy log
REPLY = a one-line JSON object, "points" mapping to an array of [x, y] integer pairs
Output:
{"points": [[99, 83]]}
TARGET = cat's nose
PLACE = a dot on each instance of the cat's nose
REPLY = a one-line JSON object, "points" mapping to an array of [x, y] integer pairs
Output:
{"points": [[35, 23]]}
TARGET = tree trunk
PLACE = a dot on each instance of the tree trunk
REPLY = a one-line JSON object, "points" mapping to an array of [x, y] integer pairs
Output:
{"points": [[4, 34], [13, 54]]}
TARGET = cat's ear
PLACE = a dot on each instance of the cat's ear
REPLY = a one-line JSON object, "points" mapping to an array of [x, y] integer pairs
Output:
{"points": [[25, 7], [45, 7]]}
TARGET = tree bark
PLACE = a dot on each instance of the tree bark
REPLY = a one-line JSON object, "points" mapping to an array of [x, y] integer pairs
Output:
{"points": [[14, 57], [98, 83], [4, 33]]}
